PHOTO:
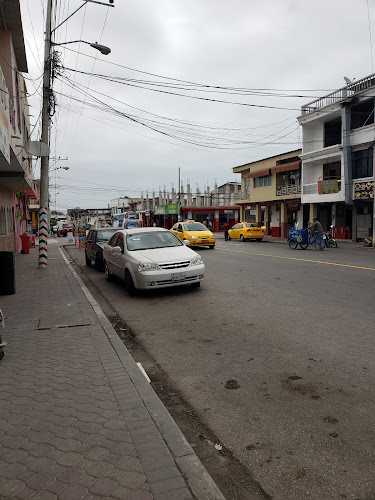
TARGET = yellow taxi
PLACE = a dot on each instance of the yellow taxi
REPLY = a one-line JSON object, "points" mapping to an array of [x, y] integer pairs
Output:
{"points": [[246, 231], [195, 233]]}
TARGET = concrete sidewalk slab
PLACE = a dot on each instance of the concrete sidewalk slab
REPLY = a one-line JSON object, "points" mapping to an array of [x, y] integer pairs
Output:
{"points": [[78, 418]]}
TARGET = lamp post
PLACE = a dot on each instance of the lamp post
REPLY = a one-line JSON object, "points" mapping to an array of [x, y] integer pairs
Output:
{"points": [[46, 122]]}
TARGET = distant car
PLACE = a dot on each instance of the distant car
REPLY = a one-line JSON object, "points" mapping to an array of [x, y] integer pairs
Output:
{"points": [[67, 227], [151, 257], [195, 233], [95, 241], [245, 231]]}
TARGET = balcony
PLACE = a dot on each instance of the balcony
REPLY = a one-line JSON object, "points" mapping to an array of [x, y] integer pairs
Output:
{"points": [[322, 187], [289, 189], [339, 95]]}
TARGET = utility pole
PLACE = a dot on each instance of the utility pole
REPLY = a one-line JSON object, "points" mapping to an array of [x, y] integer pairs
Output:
{"points": [[179, 195], [44, 195]]}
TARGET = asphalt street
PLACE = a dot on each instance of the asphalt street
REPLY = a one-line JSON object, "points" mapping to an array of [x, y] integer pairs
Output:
{"points": [[275, 354]]}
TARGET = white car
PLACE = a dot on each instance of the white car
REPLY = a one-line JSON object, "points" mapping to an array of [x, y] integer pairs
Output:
{"points": [[151, 257]]}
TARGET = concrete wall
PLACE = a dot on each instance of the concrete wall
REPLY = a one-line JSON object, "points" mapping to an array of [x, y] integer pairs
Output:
{"points": [[7, 241]]}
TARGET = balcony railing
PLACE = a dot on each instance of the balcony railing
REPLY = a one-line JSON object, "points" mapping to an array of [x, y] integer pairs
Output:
{"points": [[289, 189], [339, 95], [321, 189]]}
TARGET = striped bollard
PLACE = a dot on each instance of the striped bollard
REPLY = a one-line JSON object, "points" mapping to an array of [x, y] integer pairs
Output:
{"points": [[43, 236]]}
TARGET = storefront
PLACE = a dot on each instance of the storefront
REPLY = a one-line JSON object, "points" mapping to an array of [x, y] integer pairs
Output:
{"points": [[217, 216], [363, 209], [166, 215]]}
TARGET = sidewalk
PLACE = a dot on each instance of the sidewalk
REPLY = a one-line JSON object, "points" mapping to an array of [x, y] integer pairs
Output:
{"points": [[78, 419]]}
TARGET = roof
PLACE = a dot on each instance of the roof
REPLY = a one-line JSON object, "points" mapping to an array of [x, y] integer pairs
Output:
{"points": [[295, 151], [10, 20]]}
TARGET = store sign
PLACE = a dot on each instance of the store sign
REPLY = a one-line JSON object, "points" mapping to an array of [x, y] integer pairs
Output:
{"points": [[228, 211], [328, 187], [171, 209], [364, 190], [4, 118]]}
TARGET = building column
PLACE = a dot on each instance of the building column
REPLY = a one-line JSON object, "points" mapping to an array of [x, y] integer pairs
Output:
{"points": [[216, 220], [283, 220], [165, 222], [267, 219], [354, 223], [313, 212], [236, 216], [258, 214]]}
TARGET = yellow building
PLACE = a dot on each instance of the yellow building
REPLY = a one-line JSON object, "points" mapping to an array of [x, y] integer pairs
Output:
{"points": [[271, 193]]}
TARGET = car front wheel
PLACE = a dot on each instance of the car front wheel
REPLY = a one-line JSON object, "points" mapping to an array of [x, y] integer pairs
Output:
{"points": [[108, 275], [129, 284]]}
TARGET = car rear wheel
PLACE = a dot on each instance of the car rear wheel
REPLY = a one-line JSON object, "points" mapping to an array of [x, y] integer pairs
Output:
{"points": [[242, 238], [108, 275], [99, 264], [259, 239], [129, 284], [88, 261]]}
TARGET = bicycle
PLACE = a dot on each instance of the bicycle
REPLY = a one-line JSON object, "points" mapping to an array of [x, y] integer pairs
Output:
{"points": [[303, 239]]}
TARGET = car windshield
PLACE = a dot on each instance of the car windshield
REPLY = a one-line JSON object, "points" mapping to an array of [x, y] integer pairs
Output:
{"points": [[147, 241], [195, 226], [104, 235]]}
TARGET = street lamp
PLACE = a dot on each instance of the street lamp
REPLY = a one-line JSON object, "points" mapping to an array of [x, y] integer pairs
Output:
{"points": [[102, 48], [64, 168]]}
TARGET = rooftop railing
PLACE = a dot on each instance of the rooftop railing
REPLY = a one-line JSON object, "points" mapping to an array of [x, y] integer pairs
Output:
{"points": [[339, 95]]}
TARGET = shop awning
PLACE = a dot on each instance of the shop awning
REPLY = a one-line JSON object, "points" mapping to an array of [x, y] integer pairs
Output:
{"points": [[285, 167], [259, 173]]}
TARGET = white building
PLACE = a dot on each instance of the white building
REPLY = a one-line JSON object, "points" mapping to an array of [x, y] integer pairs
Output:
{"points": [[337, 159]]}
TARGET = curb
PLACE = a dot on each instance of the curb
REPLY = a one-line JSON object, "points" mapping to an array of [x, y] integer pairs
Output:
{"points": [[200, 482]]}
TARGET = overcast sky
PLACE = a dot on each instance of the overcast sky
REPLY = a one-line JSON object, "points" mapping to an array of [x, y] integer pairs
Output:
{"points": [[289, 47]]}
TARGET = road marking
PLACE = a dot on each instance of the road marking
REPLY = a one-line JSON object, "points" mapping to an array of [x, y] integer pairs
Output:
{"points": [[296, 258]]}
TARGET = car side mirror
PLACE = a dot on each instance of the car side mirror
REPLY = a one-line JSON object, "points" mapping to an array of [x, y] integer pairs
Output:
{"points": [[117, 250], [186, 242]]}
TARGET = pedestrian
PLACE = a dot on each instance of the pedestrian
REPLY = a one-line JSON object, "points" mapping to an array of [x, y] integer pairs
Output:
{"points": [[316, 227], [226, 233], [209, 225]]}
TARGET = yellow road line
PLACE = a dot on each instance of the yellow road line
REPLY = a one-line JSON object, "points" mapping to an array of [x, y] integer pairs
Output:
{"points": [[296, 258]]}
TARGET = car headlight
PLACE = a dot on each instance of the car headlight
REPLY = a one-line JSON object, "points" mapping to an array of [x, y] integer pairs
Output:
{"points": [[195, 261], [193, 237], [147, 266]]}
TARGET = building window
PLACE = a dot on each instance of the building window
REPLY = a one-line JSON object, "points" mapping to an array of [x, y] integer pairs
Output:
{"points": [[362, 114], [332, 132], [263, 181], [362, 163], [332, 171], [3, 225]]}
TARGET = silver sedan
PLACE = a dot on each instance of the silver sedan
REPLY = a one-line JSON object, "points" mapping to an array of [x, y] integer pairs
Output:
{"points": [[151, 257]]}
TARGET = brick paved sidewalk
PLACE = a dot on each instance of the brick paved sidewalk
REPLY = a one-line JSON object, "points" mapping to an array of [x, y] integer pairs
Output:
{"points": [[78, 420]]}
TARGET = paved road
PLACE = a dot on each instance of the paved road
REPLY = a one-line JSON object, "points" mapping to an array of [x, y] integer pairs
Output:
{"points": [[295, 331]]}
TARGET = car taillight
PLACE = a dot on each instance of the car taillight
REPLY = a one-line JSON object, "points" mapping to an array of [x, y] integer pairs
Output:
{"points": [[249, 230]]}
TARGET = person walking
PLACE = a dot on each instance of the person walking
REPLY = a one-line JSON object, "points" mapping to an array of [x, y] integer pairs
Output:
{"points": [[316, 227], [226, 233]]}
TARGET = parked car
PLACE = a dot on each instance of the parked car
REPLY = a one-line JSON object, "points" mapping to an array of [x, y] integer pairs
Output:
{"points": [[67, 227], [195, 233], [149, 258], [95, 241], [246, 231]]}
